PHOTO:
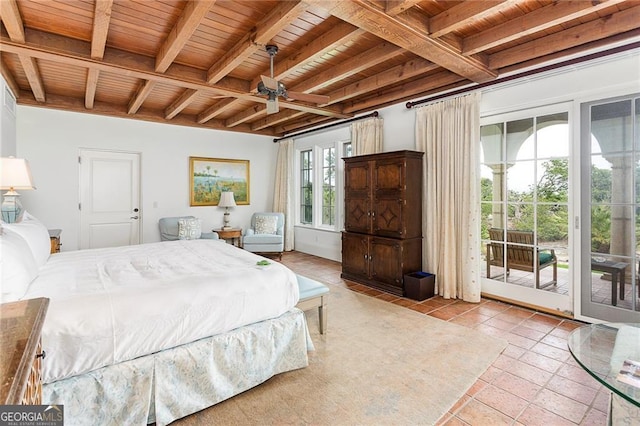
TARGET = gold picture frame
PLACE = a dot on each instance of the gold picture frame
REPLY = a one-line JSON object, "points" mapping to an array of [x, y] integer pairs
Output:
{"points": [[208, 177]]}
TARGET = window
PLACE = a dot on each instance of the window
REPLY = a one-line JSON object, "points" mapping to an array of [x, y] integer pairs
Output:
{"points": [[306, 187], [320, 188]]}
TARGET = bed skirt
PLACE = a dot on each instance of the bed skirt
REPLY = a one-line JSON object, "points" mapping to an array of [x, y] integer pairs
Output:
{"points": [[174, 383]]}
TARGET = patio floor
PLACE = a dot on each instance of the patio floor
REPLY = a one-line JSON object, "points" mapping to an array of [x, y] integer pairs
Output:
{"points": [[601, 284]]}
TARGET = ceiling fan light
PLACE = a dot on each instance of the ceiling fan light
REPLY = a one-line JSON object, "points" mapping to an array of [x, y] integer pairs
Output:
{"points": [[272, 106]]}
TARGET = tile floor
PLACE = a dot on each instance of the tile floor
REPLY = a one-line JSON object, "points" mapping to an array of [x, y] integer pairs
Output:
{"points": [[534, 382]]}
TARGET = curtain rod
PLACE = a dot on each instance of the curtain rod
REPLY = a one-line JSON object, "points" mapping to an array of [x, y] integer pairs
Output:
{"points": [[566, 63], [373, 114]]}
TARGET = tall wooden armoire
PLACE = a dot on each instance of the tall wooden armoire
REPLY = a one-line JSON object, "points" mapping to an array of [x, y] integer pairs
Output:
{"points": [[382, 237]]}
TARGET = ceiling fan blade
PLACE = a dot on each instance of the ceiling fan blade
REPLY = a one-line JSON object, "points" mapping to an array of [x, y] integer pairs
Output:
{"points": [[272, 106], [269, 83], [307, 97]]}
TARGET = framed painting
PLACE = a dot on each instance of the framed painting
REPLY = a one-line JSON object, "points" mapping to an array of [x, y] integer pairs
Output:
{"points": [[208, 177]]}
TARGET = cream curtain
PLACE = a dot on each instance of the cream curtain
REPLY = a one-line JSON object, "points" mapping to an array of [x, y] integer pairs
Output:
{"points": [[448, 133], [283, 194], [366, 136]]}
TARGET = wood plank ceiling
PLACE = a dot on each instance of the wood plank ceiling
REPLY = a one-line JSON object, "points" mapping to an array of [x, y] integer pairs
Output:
{"points": [[198, 63]]}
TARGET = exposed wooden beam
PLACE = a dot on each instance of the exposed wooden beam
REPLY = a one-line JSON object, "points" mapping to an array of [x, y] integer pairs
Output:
{"points": [[274, 119], [464, 13], [8, 77], [12, 20], [216, 109], [30, 68], [373, 19], [352, 66], [281, 16], [192, 15], [141, 95], [246, 115], [299, 125], [410, 89], [181, 103], [393, 75], [620, 22], [101, 20], [75, 105], [549, 16], [395, 7], [90, 88]]}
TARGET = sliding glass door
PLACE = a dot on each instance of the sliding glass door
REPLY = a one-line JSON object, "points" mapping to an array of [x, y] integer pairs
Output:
{"points": [[610, 210], [525, 207]]}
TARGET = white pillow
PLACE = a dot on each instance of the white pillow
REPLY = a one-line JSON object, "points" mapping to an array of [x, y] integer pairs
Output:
{"points": [[17, 266], [189, 229], [266, 224], [35, 234]]}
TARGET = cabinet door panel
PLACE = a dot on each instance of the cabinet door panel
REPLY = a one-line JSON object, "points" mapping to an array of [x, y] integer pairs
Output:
{"points": [[386, 261], [357, 216], [388, 217], [357, 180], [355, 254], [389, 175]]}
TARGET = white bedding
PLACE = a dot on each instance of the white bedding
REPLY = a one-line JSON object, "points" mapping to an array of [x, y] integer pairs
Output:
{"points": [[115, 304]]}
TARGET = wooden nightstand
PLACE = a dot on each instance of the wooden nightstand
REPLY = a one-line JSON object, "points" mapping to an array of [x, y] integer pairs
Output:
{"points": [[232, 234], [20, 369], [54, 235]]}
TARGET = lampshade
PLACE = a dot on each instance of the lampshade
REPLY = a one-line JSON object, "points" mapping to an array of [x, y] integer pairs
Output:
{"points": [[15, 174], [226, 199]]}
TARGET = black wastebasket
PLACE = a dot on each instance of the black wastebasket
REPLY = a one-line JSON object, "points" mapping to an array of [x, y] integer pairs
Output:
{"points": [[419, 285]]}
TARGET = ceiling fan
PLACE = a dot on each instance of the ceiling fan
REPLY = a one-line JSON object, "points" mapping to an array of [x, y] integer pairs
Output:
{"points": [[273, 88]]}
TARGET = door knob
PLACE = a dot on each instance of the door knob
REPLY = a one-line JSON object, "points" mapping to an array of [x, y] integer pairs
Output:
{"points": [[133, 217]]}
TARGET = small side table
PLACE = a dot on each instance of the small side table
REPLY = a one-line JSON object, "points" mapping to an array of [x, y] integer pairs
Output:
{"points": [[616, 269], [54, 235], [232, 234]]}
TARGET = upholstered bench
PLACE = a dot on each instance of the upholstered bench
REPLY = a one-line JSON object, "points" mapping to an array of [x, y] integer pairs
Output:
{"points": [[313, 294]]}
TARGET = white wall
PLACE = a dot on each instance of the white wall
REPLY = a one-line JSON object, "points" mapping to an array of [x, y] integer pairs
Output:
{"points": [[51, 140]]}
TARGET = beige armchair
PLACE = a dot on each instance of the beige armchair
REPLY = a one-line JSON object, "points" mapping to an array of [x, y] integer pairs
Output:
{"points": [[266, 233]]}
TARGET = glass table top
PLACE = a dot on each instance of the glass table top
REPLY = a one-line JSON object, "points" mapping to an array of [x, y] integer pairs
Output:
{"points": [[603, 350]]}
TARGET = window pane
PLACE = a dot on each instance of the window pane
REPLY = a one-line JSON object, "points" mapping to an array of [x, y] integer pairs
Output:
{"points": [[553, 181], [517, 133], [347, 150], [521, 178], [553, 135], [612, 126], [306, 187], [329, 186]]}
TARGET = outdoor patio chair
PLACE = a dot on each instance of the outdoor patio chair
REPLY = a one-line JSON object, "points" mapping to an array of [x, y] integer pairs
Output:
{"points": [[520, 254]]}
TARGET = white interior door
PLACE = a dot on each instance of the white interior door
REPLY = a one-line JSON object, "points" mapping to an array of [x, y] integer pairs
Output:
{"points": [[109, 199]]}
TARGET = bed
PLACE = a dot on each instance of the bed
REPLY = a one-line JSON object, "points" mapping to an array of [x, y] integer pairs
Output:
{"points": [[154, 332]]}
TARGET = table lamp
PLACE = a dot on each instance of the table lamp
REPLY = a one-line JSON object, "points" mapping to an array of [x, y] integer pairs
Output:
{"points": [[226, 201], [14, 174]]}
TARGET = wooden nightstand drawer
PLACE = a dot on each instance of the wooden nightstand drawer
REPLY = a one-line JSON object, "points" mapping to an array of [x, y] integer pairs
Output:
{"points": [[54, 235], [20, 370]]}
